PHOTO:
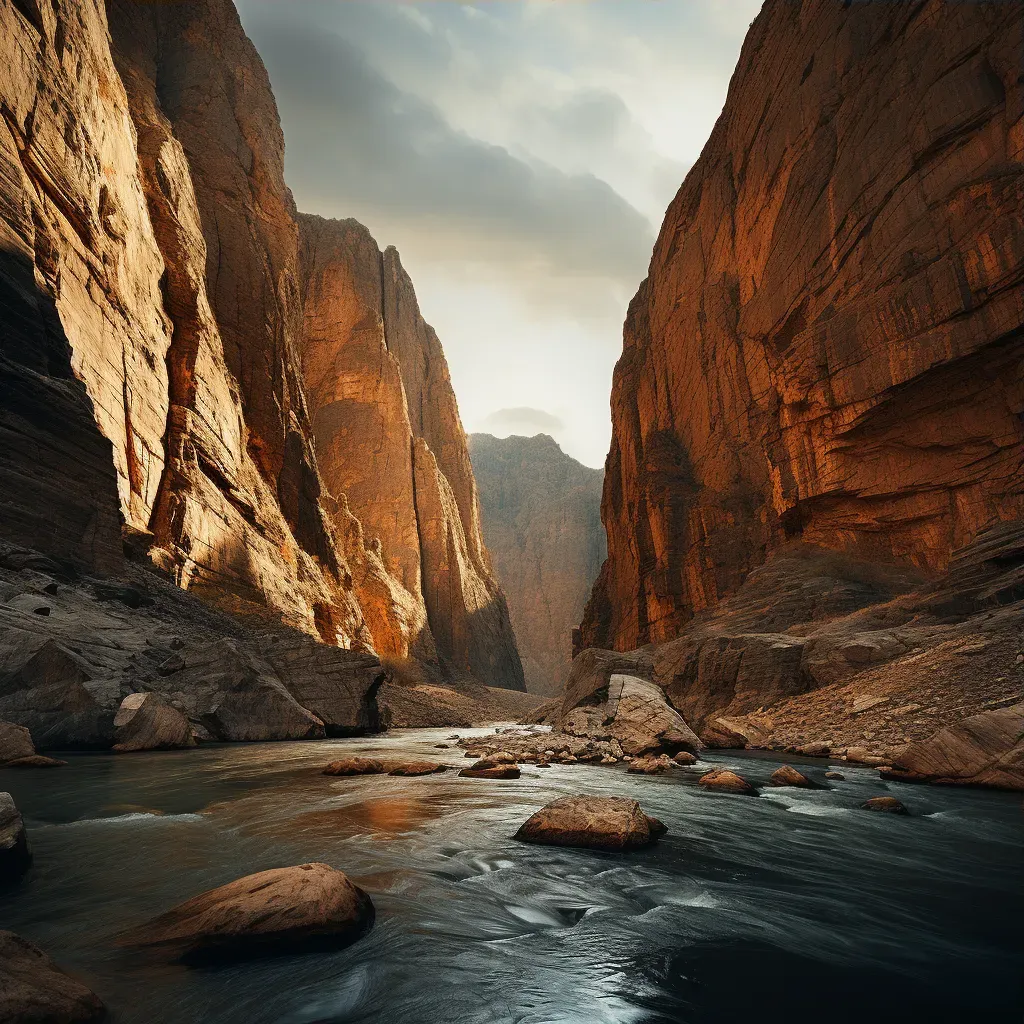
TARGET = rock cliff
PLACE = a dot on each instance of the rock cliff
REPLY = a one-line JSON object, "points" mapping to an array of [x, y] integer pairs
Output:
{"points": [[389, 438], [541, 521], [828, 347], [152, 401], [814, 495]]}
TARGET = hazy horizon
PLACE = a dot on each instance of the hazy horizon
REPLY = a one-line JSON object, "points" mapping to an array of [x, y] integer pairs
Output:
{"points": [[520, 155]]}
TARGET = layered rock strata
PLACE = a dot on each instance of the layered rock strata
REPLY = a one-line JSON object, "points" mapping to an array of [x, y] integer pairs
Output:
{"points": [[390, 439], [542, 525], [152, 402], [828, 346], [814, 492]]}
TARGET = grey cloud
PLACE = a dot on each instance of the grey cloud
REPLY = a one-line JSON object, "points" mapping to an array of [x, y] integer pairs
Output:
{"points": [[359, 146], [523, 420]]}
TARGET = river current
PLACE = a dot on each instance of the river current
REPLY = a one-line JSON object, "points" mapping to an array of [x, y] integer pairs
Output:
{"points": [[793, 904]]}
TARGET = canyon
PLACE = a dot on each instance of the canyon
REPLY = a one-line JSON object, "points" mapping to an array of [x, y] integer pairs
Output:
{"points": [[162, 300], [542, 524], [815, 489]]}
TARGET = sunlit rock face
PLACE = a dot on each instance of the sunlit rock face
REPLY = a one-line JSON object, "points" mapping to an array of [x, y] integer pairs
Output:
{"points": [[542, 525], [150, 252], [828, 347], [390, 439]]}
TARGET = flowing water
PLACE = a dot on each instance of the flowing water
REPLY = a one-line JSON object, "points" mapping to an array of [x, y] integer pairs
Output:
{"points": [[796, 903]]}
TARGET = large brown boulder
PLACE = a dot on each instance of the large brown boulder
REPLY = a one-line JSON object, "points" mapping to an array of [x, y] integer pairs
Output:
{"points": [[271, 911], [724, 781], [787, 775], [984, 750], [15, 743], [34, 990], [415, 768], [594, 822], [14, 853], [146, 722]]}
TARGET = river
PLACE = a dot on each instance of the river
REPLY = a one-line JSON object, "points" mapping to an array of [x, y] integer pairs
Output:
{"points": [[793, 904]]}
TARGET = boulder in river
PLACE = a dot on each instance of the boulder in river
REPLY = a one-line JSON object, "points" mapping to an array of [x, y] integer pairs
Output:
{"points": [[595, 822], [725, 781], [145, 721], [15, 743], [884, 803], [684, 759], [488, 769], [275, 911], [787, 775], [413, 768], [355, 766], [34, 990], [836, 776], [14, 853]]}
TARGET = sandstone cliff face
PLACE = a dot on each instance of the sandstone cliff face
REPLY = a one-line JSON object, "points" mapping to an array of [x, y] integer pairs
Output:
{"points": [[829, 345], [152, 254], [390, 439], [541, 519]]}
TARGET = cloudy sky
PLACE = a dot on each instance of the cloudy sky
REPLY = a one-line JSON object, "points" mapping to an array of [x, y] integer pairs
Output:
{"points": [[520, 154]]}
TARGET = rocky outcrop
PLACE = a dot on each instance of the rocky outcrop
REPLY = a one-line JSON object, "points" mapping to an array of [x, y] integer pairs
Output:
{"points": [[390, 440], [145, 722], [542, 525], [278, 910], [15, 743], [828, 345], [984, 750], [34, 988], [109, 665], [14, 853], [594, 822]]}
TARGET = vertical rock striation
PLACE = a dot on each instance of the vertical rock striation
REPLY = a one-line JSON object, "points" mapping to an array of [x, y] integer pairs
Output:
{"points": [[390, 440], [542, 525], [830, 342]]}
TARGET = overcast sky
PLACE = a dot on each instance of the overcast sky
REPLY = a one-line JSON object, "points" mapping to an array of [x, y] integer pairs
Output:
{"points": [[520, 154]]}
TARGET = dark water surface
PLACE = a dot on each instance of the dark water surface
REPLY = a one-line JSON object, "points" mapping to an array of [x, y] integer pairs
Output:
{"points": [[793, 905]]}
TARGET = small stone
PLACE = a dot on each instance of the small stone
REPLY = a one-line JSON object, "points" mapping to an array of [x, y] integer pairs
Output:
{"points": [[416, 768], [684, 759], [491, 770], [838, 776]]}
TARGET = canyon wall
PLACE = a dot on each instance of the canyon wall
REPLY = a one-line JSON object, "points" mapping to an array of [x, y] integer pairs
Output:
{"points": [[542, 525], [151, 359], [829, 345], [389, 438]]}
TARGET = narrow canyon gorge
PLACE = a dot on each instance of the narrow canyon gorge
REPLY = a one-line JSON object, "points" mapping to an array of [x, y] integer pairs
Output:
{"points": [[314, 707]]}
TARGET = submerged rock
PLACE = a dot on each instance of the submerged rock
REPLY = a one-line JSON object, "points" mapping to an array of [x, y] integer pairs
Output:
{"points": [[35, 761], [884, 803], [34, 990], [413, 768], [727, 782], [593, 822], [146, 722], [273, 911], [789, 776], [355, 766], [14, 852], [837, 776]]}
